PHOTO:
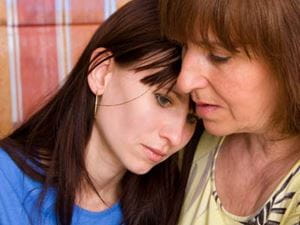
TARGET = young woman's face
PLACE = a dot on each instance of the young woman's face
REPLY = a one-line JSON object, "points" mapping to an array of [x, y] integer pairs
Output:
{"points": [[233, 94], [138, 126]]}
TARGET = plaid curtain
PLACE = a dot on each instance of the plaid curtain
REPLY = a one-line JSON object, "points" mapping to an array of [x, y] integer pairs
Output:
{"points": [[40, 40]]}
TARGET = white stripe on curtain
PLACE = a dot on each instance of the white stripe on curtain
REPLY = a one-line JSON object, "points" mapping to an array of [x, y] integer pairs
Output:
{"points": [[14, 61], [109, 7]]}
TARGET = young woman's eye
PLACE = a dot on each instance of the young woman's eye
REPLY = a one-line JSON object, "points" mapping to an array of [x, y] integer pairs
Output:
{"points": [[162, 100], [218, 59], [192, 118]]}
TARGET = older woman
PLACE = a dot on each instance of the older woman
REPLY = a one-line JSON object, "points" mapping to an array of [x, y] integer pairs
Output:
{"points": [[242, 67]]}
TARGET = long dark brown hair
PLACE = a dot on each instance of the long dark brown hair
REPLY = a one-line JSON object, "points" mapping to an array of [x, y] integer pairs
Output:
{"points": [[54, 139], [268, 28]]}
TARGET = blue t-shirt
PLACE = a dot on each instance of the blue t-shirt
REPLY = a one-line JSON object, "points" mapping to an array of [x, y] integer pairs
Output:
{"points": [[19, 195]]}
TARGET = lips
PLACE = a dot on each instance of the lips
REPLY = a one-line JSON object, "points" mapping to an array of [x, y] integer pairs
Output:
{"points": [[204, 109], [153, 154], [205, 104]]}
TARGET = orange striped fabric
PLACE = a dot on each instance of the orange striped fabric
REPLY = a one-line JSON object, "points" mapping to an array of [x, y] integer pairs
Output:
{"points": [[2, 13], [5, 98], [39, 43]]}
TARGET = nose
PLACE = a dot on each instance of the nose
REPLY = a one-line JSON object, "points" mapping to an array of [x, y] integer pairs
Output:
{"points": [[194, 70], [176, 131]]}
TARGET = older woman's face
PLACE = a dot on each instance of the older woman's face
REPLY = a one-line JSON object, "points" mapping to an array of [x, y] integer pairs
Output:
{"points": [[233, 94]]}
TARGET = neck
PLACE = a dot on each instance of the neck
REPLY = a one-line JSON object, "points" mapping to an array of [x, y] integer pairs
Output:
{"points": [[105, 173], [267, 147], [256, 165]]}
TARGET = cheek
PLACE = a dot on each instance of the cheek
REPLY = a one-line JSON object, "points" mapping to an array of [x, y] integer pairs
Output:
{"points": [[242, 97], [134, 122], [114, 122], [137, 117]]}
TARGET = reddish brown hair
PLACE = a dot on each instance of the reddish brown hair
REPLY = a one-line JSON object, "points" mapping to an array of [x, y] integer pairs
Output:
{"points": [[268, 28]]}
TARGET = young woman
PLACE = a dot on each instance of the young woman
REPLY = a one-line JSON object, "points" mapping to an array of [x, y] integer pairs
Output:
{"points": [[90, 155], [241, 64]]}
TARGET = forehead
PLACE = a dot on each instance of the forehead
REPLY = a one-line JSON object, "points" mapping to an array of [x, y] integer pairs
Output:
{"points": [[207, 21]]}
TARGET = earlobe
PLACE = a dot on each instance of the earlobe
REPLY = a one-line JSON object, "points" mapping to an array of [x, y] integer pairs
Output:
{"points": [[99, 76]]}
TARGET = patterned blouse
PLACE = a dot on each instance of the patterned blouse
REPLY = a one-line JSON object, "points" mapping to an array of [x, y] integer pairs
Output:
{"points": [[202, 205]]}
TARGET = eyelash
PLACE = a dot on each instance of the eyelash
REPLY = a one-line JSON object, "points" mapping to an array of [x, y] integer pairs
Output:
{"points": [[218, 59], [159, 98]]}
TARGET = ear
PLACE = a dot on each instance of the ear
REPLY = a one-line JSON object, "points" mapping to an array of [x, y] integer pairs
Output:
{"points": [[99, 77]]}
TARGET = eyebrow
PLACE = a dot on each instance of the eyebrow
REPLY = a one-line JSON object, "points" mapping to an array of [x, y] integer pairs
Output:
{"points": [[213, 43]]}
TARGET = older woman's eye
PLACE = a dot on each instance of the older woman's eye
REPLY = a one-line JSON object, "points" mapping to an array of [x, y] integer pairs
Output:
{"points": [[218, 59], [192, 118], [162, 100]]}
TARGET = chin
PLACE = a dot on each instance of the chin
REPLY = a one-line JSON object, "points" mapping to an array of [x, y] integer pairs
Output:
{"points": [[140, 170], [217, 130]]}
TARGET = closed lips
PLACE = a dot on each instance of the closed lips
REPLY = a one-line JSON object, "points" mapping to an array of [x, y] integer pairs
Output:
{"points": [[156, 151], [205, 104]]}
